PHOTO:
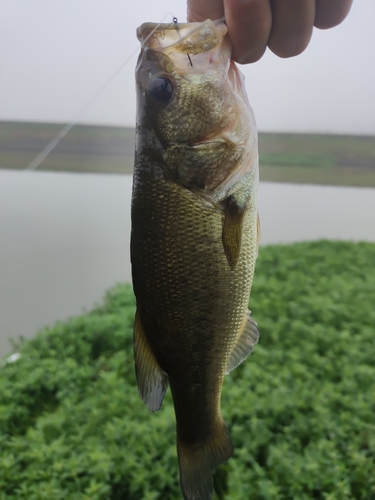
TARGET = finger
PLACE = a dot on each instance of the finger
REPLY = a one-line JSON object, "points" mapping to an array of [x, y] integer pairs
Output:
{"points": [[292, 25], [198, 10], [332, 13], [249, 26]]}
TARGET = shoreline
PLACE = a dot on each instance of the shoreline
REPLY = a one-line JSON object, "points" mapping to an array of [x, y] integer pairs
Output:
{"points": [[321, 159]]}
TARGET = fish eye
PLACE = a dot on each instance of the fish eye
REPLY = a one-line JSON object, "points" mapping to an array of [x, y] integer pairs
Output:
{"points": [[161, 89]]}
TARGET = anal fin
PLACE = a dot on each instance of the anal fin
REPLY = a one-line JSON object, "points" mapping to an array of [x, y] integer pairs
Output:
{"points": [[232, 231], [245, 343], [151, 380]]}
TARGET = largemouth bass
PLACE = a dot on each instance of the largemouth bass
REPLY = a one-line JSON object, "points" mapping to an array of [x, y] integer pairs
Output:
{"points": [[195, 232]]}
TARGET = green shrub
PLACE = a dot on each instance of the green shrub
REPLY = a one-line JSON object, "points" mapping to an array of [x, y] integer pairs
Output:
{"points": [[301, 409]]}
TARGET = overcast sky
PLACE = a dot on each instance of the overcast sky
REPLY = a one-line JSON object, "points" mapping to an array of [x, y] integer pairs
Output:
{"points": [[56, 54]]}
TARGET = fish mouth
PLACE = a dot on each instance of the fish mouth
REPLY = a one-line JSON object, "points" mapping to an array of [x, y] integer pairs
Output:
{"points": [[199, 43], [186, 37]]}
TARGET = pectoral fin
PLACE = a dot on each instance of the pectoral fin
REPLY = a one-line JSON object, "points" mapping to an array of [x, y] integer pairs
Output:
{"points": [[152, 381], [232, 231], [244, 344]]}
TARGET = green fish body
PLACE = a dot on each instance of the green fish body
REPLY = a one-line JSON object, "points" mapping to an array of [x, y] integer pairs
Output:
{"points": [[195, 232]]}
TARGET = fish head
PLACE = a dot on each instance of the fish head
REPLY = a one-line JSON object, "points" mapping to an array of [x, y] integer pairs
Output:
{"points": [[193, 112]]}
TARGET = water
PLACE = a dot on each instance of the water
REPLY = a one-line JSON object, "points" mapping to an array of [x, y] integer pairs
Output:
{"points": [[64, 238]]}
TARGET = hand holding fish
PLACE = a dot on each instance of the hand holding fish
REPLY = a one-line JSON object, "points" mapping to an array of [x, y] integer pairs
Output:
{"points": [[284, 26]]}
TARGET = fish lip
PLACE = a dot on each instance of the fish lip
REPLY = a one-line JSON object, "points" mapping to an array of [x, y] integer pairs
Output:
{"points": [[199, 39], [147, 30]]}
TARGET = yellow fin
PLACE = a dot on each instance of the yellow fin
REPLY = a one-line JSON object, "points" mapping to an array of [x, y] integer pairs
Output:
{"points": [[152, 381], [232, 231], [199, 459], [244, 344]]}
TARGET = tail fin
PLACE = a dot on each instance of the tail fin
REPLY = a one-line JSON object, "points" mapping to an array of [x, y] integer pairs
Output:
{"points": [[197, 461]]}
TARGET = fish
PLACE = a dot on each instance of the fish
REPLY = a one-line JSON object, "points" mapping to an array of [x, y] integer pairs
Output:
{"points": [[195, 234]]}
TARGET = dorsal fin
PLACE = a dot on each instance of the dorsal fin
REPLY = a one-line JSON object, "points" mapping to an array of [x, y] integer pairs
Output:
{"points": [[245, 343], [152, 381]]}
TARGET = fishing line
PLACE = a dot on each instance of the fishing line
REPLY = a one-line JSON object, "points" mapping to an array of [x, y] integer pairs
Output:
{"points": [[60, 135]]}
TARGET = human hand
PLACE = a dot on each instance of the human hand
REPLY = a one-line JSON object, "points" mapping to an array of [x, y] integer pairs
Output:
{"points": [[285, 26]]}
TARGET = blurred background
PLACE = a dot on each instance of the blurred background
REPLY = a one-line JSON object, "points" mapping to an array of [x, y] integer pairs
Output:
{"points": [[64, 228]]}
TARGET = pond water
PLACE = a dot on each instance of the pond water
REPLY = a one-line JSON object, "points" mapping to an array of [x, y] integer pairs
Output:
{"points": [[64, 238]]}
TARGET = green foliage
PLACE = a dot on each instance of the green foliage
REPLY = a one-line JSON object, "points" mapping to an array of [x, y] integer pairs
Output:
{"points": [[301, 409]]}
